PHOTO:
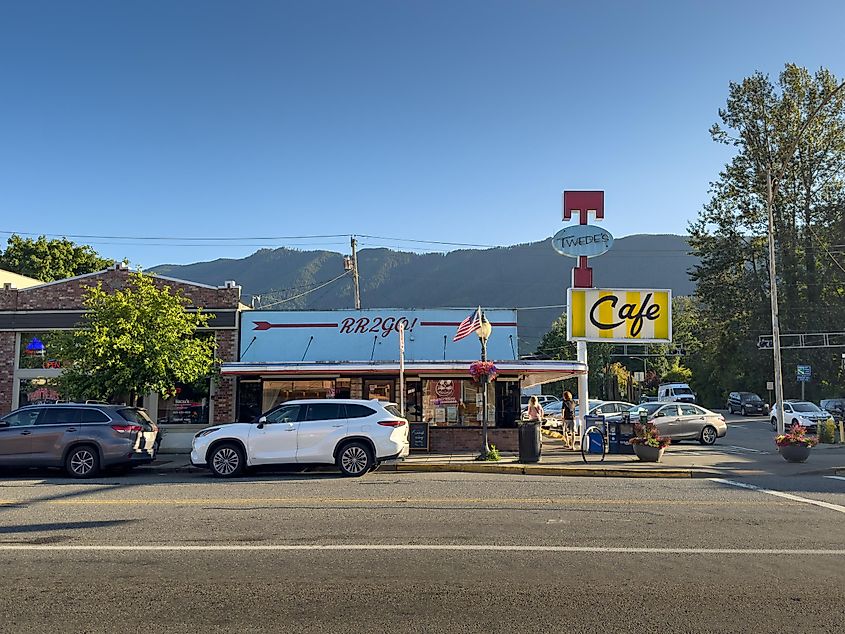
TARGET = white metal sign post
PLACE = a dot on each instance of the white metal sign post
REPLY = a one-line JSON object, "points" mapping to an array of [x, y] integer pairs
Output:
{"points": [[401, 329]]}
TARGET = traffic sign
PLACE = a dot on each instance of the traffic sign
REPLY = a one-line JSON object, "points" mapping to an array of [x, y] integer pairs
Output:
{"points": [[805, 373]]}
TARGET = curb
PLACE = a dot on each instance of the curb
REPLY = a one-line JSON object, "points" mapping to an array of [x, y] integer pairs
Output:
{"points": [[520, 469]]}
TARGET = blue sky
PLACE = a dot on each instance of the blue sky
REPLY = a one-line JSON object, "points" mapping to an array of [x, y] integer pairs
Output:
{"points": [[454, 121]]}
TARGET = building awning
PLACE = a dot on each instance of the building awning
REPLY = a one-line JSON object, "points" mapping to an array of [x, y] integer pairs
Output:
{"points": [[530, 373]]}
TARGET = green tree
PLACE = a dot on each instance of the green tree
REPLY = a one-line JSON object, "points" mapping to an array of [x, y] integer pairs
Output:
{"points": [[554, 345], [50, 260], [761, 121], [134, 341]]}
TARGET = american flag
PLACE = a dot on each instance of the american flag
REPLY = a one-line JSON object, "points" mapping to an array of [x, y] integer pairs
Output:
{"points": [[469, 325]]}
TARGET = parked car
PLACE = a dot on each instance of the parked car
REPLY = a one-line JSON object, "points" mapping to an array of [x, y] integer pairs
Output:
{"points": [[608, 409], [355, 435], [683, 421], [648, 399], [82, 438], [543, 399], [804, 413], [835, 406], [746, 403], [675, 392]]}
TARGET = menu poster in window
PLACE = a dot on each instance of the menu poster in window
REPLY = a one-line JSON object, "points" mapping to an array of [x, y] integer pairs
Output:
{"points": [[439, 414], [451, 414]]}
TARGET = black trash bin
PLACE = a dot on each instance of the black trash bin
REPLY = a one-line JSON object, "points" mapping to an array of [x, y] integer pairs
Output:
{"points": [[529, 442]]}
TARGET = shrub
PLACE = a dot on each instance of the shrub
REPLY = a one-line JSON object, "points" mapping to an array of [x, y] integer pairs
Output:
{"points": [[827, 432]]}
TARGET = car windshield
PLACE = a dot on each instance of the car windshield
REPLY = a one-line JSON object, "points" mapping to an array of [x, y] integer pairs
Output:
{"points": [[682, 390], [806, 407], [751, 398], [648, 407]]}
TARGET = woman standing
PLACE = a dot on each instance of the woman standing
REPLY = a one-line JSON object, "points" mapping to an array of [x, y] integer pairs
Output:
{"points": [[535, 410]]}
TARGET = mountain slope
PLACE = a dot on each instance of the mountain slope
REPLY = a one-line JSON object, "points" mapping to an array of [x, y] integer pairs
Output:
{"points": [[521, 275]]}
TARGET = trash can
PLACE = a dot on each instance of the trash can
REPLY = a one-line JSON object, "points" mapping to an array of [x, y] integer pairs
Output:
{"points": [[529, 442]]}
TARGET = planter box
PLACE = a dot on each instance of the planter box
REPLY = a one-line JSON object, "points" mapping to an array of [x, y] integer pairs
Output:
{"points": [[794, 453], [648, 454]]}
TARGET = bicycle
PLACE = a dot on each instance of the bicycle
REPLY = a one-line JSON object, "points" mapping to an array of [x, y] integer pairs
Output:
{"points": [[593, 442]]}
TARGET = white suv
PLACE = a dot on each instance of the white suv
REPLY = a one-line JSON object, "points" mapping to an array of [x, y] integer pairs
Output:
{"points": [[353, 434]]}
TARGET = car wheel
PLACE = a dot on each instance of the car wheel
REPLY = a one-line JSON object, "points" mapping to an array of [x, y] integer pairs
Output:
{"points": [[708, 435], [774, 423], [226, 460], [742, 411], [354, 459], [82, 462]]}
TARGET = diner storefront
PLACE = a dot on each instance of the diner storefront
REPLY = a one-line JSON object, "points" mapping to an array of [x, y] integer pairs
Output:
{"points": [[355, 354]]}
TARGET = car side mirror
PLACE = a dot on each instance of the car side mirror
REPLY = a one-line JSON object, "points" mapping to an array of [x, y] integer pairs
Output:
{"points": [[262, 419], [4, 423]]}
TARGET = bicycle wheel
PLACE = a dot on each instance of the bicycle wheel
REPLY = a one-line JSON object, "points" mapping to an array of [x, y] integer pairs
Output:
{"points": [[593, 445]]}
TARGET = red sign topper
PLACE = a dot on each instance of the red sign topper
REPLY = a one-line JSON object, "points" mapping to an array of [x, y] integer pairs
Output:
{"points": [[583, 203]]}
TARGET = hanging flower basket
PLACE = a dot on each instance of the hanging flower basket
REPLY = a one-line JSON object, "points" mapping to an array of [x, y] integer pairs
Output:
{"points": [[483, 370]]}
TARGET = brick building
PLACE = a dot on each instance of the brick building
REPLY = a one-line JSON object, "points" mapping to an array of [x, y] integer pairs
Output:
{"points": [[29, 315]]}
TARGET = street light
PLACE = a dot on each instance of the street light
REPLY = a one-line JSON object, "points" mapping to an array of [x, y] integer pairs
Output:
{"points": [[483, 333]]}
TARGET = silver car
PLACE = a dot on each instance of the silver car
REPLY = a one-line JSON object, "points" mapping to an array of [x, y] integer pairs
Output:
{"points": [[80, 437], [683, 421]]}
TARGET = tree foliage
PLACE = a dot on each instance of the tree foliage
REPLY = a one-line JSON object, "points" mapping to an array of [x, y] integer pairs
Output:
{"points": [[50, 260], [763, 122], [134, 341]]}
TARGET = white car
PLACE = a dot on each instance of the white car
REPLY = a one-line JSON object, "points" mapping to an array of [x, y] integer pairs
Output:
{"points": [[804, 413], [355, 435]]}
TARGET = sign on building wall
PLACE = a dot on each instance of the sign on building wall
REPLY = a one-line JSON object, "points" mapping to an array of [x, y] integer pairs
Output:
{"points": [[619, 315], [365, 335]]}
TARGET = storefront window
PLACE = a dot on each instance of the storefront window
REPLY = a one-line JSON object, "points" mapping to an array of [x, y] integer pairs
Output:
{"points": [[249, 401], [414, 401], [379, 389], [454, 402], [35, 351], [37, 392], [188, 407], [275, 392]]}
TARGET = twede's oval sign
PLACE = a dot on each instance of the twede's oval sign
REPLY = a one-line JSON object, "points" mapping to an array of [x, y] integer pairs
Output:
{"points": [[578, 240]]}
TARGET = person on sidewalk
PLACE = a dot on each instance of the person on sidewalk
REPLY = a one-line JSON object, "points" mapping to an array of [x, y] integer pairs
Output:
{"points": [[535, 411], [568, 412]]}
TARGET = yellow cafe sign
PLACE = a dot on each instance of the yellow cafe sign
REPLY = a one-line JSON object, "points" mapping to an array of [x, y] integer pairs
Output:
{"points": [[622, 316]]}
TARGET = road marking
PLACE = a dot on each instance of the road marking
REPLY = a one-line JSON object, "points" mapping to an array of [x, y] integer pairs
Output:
{"points": [[748, 449], [314, 502], [420, 547], [781, 494], [835, 477]]}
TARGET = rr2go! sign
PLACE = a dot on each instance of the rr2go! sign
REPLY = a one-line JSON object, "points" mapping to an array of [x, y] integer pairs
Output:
{"points": [[619, 315]]}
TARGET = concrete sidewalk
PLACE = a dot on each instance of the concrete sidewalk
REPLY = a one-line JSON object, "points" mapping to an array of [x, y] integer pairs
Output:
{"points": [[681, 460]]}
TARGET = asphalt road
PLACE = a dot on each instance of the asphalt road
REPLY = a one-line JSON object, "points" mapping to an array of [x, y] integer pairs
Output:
{"points": [[421, 553]]}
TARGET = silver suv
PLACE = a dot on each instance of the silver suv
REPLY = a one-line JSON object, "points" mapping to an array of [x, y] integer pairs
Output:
{"points": [[80, 437]]}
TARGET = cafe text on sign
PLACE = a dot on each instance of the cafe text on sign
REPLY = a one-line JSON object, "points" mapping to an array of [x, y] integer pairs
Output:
{"points": [[619, 315]]}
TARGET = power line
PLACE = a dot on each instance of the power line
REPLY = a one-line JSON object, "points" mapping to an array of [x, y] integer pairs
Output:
{"points": [[290, 299]]}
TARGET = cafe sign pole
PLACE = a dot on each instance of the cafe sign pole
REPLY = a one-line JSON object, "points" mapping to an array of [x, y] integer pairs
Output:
{"points": [[581, 242]]}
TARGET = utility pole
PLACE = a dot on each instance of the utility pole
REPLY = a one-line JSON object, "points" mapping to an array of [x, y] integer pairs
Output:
{"points": [[772, 180], [354, 244]]}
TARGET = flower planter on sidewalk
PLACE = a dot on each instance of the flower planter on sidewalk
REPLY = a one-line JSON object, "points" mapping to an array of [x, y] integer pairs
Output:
{"points": [[648, 454], [794, 453]]}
